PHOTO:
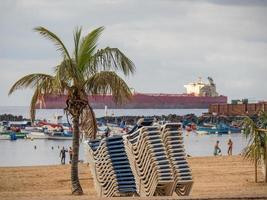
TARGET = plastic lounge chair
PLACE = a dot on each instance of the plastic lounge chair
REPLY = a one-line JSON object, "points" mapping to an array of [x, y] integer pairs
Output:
{"points": [[173, 140], [149, 162], [110, 167]]}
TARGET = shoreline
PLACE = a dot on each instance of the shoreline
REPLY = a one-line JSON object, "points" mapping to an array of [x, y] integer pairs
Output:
{"points": [[220, 177]]}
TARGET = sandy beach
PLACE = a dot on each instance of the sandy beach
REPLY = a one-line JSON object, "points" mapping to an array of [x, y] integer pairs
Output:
{"points": [[213, 177]]}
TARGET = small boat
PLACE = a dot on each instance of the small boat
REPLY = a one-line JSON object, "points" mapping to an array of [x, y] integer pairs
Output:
{"points": [[66, 135], [201, 132], [206, 129], [210, 125], [4, 137], [235, 129], [226, 129], [37, 135], [14, 135], [218, 129], [4, 134], [21, 135], [190, 127]]}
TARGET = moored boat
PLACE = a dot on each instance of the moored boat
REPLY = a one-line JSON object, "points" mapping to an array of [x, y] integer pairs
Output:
{"points": [[4, 137], [218, 129], [60, 135], [13, 135], [37, 135], [20, 135]]}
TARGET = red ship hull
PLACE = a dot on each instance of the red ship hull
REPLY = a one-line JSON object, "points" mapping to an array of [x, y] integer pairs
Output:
{"points": [[140, 101]]}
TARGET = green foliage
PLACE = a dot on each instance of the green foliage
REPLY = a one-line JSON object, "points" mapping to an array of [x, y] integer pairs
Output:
{"points": [[55, 39], [256, 133]]}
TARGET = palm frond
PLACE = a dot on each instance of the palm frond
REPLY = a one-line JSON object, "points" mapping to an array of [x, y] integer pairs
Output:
{"points": [[112, 59], [61, 47], [107, 82], [68, 73], [87, 47], [77, 37], [257, 138], [55, 39], [252, 153], [63, 71], [249, 127], [32, 80], [262, 119], [33, 103]]}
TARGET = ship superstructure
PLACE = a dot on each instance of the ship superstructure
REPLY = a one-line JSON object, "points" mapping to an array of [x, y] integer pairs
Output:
{"points": [[200, 88]]}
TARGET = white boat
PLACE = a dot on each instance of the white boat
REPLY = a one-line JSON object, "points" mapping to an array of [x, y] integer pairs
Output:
{"points": [[37, 135], [59, 136], [201, 132], [4, 137]]}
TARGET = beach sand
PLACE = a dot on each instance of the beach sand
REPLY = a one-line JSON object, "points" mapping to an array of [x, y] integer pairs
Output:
{"points": [[213, 177]]}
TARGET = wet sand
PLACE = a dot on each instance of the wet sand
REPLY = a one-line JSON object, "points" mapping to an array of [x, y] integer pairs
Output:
{"points": [[213, 177]]}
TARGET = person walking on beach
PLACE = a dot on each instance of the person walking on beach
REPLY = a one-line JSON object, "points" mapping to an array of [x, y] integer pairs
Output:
{"points": [[230, 147], [70, 153], [217, 150], [62, 155]]}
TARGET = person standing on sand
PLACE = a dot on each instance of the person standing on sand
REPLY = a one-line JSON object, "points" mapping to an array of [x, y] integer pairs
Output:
{"points": [[217, 149], [62, 155], [70, 153], [230, 147]]}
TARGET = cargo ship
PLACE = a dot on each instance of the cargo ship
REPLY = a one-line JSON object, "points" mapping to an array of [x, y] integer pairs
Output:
{"points": [[199, 95]]}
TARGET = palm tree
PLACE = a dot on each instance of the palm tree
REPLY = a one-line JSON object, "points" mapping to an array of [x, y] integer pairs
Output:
{"points": [[87, 71], [256, 150]]}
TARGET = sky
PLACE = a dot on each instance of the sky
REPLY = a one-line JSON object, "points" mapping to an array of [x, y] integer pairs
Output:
{"points": [[171, 42]]}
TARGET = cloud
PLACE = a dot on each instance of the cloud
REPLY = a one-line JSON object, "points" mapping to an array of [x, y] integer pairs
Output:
{"points": [[239, 2], [171, 42]]}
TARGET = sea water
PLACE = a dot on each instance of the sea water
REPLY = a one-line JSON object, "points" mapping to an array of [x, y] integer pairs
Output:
{"points": [[46, 152]]}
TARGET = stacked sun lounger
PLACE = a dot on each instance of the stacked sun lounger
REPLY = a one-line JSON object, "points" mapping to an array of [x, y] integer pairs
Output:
{"points": [[110, 167], [149, 162], [101, 169], [121, 166], [172, 137]]}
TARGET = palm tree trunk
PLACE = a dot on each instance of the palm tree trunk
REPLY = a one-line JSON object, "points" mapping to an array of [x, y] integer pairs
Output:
{"points": [[76, 187], [265, 178], [94, 123], [256, 165]]}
